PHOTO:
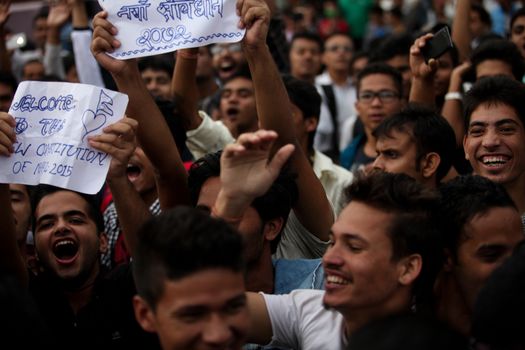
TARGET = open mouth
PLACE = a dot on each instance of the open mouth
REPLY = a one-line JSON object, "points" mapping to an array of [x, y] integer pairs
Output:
{"points": [[336, 280], [65, 250], [232, 112], [133, 172], [227, 67], [494, 161]]}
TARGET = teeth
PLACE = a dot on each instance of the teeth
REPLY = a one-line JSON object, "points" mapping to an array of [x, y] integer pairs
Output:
{"points": [[494, 160], [66, 242], [336, 279]]}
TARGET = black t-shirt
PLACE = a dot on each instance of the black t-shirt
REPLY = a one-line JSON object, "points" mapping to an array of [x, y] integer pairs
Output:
{"points": [[106, 322]]}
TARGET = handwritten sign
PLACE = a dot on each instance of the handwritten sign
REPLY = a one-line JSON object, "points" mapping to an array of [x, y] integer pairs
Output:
{"points": [[151, 27], [53, 122]]}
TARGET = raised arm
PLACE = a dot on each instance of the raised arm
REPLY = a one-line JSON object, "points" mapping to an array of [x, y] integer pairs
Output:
{"points": [[273, 109], [118, 140], [59, 13], [422, 88], [461, 35], [184, 87], [11, 260], [153, 134], [5, 56], [453, 106]]}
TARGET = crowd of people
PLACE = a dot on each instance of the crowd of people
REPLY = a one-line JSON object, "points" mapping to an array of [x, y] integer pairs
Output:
{"points": [[318, 185]]}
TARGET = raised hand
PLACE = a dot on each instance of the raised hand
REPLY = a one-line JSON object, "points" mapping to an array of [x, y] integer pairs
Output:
{"points": [[7, 134], [255, 17], [119, 141], [4, 11], [421, 69], [104, 41], [59, 13], [247, 172]]}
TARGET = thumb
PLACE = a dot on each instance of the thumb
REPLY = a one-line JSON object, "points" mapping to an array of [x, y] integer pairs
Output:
{"points": [[280, 158]]}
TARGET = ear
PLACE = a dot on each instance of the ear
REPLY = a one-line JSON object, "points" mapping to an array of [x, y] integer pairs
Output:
{"points": [[429, 164], [465, 146], [409, 269], [311, 123], [144, 315], [272, 228], [103, 243]]}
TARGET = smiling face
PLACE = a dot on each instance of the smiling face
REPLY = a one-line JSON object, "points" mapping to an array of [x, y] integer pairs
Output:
{"points": [[205, 310], [227, 59], [495, 144], [488, 239], [66, 237], [237, 106], [373, 112], [359, 269]]}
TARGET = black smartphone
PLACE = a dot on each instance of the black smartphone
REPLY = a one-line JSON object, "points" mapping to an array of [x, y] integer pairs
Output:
{"points": [[440, 43]]}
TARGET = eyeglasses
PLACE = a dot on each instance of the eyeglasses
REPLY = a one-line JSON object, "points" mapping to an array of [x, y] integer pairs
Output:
{"points": [[385, 96], [231, 48], [336, 48]]}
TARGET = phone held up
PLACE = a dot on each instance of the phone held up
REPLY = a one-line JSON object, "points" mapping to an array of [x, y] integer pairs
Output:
{"points": [[440, 43]]}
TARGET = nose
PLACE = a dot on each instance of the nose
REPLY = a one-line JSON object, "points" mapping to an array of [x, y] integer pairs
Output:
{"points": [[376, 101], [491, 139], [61, 226], [217, 332], [378, 163], [332, 258]]}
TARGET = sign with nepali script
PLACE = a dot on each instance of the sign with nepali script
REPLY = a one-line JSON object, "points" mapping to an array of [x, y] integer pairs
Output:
{"points": [[53, 124], [152, 27]]}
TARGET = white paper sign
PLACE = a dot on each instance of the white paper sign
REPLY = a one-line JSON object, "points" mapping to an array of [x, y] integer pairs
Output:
{"points": [[53, 122], [152, 27]]}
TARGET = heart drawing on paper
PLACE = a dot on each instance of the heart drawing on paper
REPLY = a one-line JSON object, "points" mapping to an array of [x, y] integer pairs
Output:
{"points": [[92, 122]]}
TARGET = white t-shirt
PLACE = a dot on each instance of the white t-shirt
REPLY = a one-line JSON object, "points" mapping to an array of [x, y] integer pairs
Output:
{"points": [[300, 321]]}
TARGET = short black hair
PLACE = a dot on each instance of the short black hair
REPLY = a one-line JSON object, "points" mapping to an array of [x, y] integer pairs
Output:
{"points": [[464, 198], [306, 97], [483, 14], [381, 68], [178, 243], [392, 46], [40, 191], [519, 13], [429, 131], [501, 50], [243, 71], [308, 36], [495, 90], [8, 79], [163, 63], [275, 203], [412, 230]]}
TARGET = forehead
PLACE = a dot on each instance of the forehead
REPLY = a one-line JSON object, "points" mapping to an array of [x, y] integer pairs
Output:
{"points": [[238, 83], [18, 189], [499, 225], [60, 202], [398, 61], [490, 113], [493, 67], [338, 39], [519, 21], [150, 72], [304, 43], [362, 220], [209, 192], [395, 139], [377, 82]]}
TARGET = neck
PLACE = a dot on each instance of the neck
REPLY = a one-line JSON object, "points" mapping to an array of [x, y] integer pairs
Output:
{"points": [[149, 196], [451, 306], [260, 274], [339, 77], [79, 295], [308, 78]]}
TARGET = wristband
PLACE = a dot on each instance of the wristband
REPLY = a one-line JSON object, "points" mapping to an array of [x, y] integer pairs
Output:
{"points": [[453, 96]]}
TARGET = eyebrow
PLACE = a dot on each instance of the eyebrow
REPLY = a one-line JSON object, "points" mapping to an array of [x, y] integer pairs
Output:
{"points": [[348, 235], [203, 308], [68, 213], [498, 123]]}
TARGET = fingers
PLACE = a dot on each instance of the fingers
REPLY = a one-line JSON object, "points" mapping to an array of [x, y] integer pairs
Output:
{"points": [[116, 138], [419, 43], [7, 134], [261, 139], [281, 157]]}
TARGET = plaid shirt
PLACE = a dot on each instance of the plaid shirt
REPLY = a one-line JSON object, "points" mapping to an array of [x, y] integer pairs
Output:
{"points": [[113, 230]]}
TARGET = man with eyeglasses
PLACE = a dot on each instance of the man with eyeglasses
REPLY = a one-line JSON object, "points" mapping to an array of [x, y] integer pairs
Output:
{"points": [[379, 96], [227, 59], [338, 91]]}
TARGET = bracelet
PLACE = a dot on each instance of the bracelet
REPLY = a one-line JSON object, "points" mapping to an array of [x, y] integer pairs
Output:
{"points": [[453, 96], [188, 55]]}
